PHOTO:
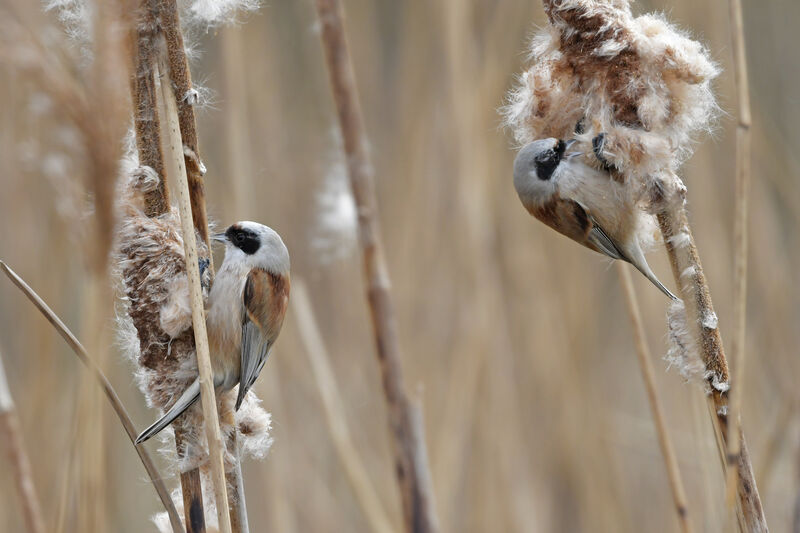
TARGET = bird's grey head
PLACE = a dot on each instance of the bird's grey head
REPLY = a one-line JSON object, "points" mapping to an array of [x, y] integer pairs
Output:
{"points": [[257, 245], [535, 169]]}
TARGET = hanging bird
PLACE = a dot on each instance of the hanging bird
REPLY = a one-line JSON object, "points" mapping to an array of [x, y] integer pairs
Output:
{"points": [[584, 203]]}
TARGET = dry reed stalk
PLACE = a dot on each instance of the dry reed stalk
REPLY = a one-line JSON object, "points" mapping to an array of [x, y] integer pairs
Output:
{"points": [[774, 441], [109, 391], [65, 492], [648, 375], [701, 319], [102, 125], [409, 449], [145, 33], [186, 97], [318, 357], [740, 242], [18, 457], [91, 498], [145, 107], [96, 107], [239, 173], [796, 507], [176, 168], [483, 319]]}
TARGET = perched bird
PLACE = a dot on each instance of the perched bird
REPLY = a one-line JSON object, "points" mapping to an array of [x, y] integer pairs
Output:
{"points": [[246, 306], [584, 203]]}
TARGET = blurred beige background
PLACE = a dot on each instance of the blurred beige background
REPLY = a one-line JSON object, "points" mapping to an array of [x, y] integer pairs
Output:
{"points": [[515, 339]]}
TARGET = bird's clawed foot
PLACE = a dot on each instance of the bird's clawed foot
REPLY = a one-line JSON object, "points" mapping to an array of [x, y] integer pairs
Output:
{"points": [[205, 276], [598, 144]]}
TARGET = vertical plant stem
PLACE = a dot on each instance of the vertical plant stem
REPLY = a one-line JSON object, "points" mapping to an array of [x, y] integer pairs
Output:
{"points": [[145, 108], [702, 322], [740, 240], [109, 391], [796, 507], [176, 167], [409, 449], [186, 97], [91, 424], [148, 143], [104, 125], [191, 492], [181, 78], [774, 442], [365, 492], [648, 375], [20, 465]]}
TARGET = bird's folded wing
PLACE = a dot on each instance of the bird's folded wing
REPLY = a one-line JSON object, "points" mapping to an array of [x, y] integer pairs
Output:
{"points": [[255, 348], [600, 239]]}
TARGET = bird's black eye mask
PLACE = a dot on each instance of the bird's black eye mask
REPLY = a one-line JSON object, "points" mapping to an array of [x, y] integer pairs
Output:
{"points": [[547, 161], [244, 239]]}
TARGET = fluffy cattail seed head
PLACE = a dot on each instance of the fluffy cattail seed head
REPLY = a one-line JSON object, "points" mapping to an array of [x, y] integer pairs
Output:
{"points": [[155, 326], [595, 68]]}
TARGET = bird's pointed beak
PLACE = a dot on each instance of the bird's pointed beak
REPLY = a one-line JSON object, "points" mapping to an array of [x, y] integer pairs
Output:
{"points": [[567, 145], [219, 237]]}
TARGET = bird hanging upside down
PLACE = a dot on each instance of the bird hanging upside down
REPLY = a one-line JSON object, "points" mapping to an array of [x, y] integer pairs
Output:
{"points": [[246, 307], [584, 203]]}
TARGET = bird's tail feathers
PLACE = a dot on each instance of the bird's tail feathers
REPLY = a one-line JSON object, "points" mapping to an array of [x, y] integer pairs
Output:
{"points": [[190, 395], [641, 265], [658, 284]]}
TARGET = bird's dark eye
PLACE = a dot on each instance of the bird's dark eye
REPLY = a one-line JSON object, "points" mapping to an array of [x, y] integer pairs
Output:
{"points": [[244, 239], [547, 162]]}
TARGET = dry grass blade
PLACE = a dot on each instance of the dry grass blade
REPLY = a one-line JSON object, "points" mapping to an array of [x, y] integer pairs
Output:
{"points": [[177, 168], [116, 403], [334, 411], [740, 241], [409, 449], [648, 375], [18, 457]]}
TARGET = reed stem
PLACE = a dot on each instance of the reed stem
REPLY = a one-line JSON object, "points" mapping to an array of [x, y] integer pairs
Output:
{"points": [[318, 357], [113, 399], [17, 454], [648, 376], [738, 348], [176, 167], [702, 322], [147, 125], [411, 463]]}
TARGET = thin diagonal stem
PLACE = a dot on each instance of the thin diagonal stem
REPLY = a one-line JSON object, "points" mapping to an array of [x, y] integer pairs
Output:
{"points": [[702, 320], [110, 393], [648, 376]]}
